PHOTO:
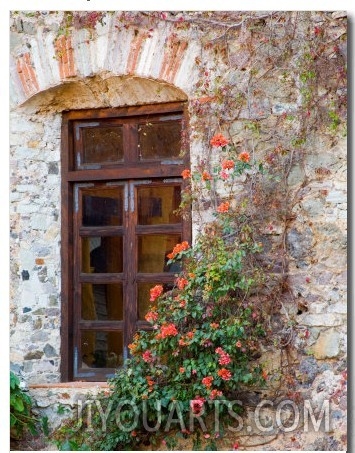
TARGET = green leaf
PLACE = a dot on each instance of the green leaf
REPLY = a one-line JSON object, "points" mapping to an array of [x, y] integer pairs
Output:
{"points": [[17, 404], [32, 429], [45, 426], [14, 381]]}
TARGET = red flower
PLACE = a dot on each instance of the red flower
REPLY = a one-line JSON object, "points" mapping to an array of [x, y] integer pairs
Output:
{"points": [[219, 140], [207, 381], [181, 282], [206, 176], [186, 174], [177, 249], [244, 156], [168, 330], [197, 405], [214, 393], [151, 316], [235, 446], [156, 292], [224, 356], [224, 374], [223, 207], [227, 164], [225, 359], [147, 357]]}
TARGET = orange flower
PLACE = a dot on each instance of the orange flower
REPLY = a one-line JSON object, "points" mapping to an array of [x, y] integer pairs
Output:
{"points": [[177, 249], [182, 342], [207, 381], [219, 140], [264, 374], [168, 330], [182, 369], [156, 292], [214, 325], [238, 344], [214, 393], [186, 174], [224, 374], [227, 164], [151, 316], [244, 156], [223, 207], [181, 282], [206, 176]]}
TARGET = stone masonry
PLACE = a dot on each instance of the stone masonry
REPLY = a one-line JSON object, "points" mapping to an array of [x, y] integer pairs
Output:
{"points": [[111, 66]]}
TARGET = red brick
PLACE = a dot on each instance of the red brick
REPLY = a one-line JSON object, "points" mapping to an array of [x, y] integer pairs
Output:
{"points": [[65, 56], [27, 74], [173, 57], [134, 53]]}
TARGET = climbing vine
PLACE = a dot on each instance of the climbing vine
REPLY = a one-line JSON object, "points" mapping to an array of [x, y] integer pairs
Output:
{"points": [[269, 84]]}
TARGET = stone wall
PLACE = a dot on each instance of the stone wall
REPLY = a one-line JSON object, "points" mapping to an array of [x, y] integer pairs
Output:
{"points": [[107, 64]]}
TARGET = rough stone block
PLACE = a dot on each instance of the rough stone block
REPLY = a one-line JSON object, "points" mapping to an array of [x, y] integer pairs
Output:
{"points": [[327, 345]]}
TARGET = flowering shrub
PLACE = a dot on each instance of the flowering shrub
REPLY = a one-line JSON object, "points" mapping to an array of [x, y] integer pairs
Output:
{"points": [[205, 331]]}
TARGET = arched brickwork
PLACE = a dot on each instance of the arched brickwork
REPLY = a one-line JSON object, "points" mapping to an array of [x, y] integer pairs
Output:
{"points": [[47, 61]]}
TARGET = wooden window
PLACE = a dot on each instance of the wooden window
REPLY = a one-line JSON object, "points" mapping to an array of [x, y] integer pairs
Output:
{"points": [[121, 188]]}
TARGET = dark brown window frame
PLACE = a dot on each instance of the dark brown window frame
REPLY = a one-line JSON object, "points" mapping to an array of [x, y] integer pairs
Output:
{"points": [[131, 170]]}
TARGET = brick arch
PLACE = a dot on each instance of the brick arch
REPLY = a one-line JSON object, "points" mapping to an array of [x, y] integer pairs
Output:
{"points": [[51, 61]]}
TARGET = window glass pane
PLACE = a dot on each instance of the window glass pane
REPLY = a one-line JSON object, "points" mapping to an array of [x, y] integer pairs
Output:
{"points": [[152, 251], [102, 254], [159, 140], [102, 144], [144, 304], [157, 205], [101, 302], [103, 207], [101, 349]]}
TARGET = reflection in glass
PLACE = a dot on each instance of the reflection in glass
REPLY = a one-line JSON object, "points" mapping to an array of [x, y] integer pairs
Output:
{"points": [[102, 254], [152, 251], [101, 302], [156, 205], [160, 140], [101, 349], [103, 207], [102, 144]]}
